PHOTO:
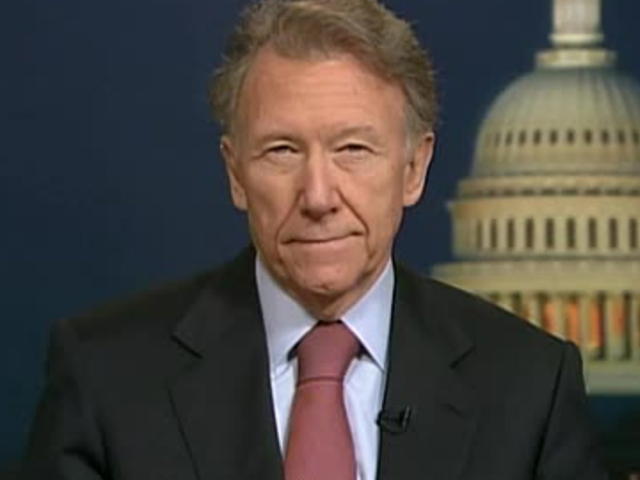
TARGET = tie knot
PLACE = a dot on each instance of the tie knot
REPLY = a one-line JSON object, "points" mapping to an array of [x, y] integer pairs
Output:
{"points": [[326, 351]]}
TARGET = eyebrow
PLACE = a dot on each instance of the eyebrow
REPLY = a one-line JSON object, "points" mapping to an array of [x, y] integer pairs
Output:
{"points": [[368, 131], [275, 136], [336, 134]]}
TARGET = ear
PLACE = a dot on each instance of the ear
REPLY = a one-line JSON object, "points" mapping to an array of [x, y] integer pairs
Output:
{"points": [[417, 167], [231, 161]]}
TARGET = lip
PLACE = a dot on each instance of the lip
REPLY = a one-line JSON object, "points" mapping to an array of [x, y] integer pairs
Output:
{"points": [[320, 241]]}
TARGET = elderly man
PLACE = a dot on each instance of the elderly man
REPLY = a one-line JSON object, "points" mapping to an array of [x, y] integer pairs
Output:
{"points": [[313, 355]]}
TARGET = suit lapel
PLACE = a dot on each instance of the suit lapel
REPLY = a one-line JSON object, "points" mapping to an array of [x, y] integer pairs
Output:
{"points": [[425, 348], [223, 400]]}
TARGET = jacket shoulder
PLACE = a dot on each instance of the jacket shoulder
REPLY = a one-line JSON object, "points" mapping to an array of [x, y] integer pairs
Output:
{"points": [[159, 307], [486, 323]]}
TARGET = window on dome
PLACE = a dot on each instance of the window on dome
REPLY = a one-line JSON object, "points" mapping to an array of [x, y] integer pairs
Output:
{"points": [[636, 137], [593, 233], [530, 233], [509, 138], [622, 137], [613, 233], [588, 136], [497, 139], [571, 137], [605, 137], [550, 234], [553, 137], [633, 234], [522, 138], [494, 235], [571, 234], [511, 234], [537, 137]]}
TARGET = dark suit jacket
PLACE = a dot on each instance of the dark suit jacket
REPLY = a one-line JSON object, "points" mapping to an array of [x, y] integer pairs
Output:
{"points": [[174, 385]]}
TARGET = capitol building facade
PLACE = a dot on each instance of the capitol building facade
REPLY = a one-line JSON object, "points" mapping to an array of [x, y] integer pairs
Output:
{"points": [[547, 225]]}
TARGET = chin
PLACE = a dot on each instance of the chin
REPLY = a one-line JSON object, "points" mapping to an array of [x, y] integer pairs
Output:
{"points": [[327, 282]]}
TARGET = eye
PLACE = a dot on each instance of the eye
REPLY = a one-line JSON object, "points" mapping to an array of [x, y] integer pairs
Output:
{"points": [[281, 149], [356, 148], [281, 156], [354, 153]]}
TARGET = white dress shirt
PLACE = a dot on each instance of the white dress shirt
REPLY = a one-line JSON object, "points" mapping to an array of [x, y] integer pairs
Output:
{"points": [[369, 319]]}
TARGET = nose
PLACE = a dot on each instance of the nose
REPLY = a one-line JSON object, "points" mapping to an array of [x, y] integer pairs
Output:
{"points": [[319, 195]]}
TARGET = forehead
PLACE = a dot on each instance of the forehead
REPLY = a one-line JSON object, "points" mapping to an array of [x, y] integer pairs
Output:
{"points": [[337, 87]]}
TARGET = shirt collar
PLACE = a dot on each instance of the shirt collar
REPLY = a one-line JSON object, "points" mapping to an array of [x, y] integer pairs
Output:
{"points": [[286, 321]]}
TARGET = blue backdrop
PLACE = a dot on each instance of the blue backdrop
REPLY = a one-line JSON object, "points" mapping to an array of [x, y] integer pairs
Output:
{"points": [[110, 178]]}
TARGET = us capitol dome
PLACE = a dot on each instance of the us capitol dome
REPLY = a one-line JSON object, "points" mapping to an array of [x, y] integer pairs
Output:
{"points": [[547, 225]]}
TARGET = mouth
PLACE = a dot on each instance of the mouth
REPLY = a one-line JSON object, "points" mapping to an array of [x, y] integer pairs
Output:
{"points": [[320, 240]]}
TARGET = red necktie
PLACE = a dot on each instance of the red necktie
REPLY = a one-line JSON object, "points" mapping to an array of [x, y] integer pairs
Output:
{"points": [[320, 446]]}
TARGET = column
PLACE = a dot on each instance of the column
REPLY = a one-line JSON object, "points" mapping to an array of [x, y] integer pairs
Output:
{"points": [[532, 305], [540, 243], [459, 238], [603, 233], [634, 319], [507, 301], [585, 302], [624, 235], [581, 234], [520, 235], [559, 319], [486, 296], [614, 339], [572, 318], [465, 242], [469, 237], [486, 234]]}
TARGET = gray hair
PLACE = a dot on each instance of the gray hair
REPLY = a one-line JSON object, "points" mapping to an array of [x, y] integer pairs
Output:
{"points": [[306, 29]]}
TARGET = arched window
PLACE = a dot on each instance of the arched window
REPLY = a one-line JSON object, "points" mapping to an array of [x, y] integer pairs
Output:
{"points": [[605, 137], [571, 137], [553, 137], [479, 235]]}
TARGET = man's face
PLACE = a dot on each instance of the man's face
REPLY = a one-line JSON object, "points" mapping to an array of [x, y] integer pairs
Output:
{"points": [[319, 160]]}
